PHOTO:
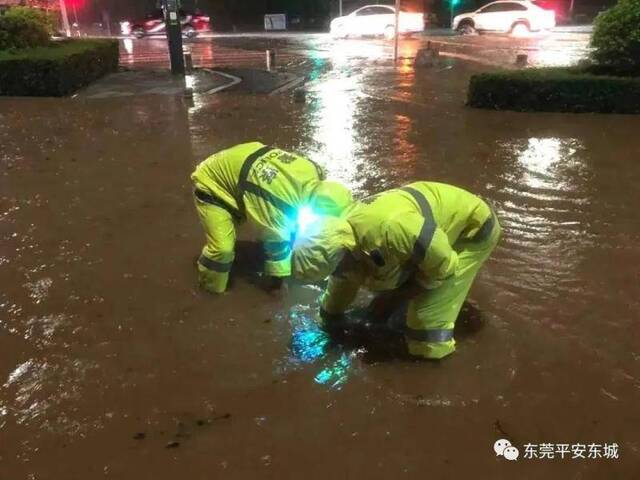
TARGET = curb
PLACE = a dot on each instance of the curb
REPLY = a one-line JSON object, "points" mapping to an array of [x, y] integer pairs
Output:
{"points": [[288, 86], [469, 58]]}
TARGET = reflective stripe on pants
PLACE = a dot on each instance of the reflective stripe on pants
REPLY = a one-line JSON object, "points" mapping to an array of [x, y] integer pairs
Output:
{"points": [[218, 253], [277, 254], [431, 316]]}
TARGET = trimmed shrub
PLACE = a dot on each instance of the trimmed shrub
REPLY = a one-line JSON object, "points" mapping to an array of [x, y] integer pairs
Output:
{"points": [[554, 90], [56, 70], [23, 27], [616, 38]]}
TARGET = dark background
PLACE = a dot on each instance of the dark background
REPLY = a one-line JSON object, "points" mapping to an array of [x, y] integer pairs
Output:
{"points": [[301, 14]]}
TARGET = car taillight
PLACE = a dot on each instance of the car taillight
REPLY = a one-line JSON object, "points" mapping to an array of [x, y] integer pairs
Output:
{"points": [[149, 23], [204, 19]]}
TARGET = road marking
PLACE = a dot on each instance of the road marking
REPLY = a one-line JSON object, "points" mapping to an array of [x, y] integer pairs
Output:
{"points": [[234, 81], [288, 86]]}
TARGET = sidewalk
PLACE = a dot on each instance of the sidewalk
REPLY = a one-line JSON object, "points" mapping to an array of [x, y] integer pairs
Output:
{"points": [[154, 82], [204, 82]]}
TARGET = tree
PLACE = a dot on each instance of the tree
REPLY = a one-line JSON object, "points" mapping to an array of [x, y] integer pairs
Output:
{"points": [[616, 38]]}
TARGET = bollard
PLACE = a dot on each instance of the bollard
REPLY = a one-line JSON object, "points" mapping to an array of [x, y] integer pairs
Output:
{"points": [[427, 57], [188, 86], [271, 59], [521, 60], [188, 62]]}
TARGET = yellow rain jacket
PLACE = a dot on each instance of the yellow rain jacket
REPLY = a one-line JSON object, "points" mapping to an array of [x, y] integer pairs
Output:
{"points": [[437, 234], [267, 186]]}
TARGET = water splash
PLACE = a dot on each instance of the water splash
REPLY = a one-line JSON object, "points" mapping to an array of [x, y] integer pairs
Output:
{"points": [[335, 375]]}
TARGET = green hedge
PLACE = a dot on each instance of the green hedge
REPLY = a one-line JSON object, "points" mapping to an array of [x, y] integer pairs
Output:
{"points": [[616, 38], [554, 90], [56, 70]]}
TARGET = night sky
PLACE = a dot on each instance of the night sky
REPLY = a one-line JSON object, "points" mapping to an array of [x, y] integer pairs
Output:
{"points": [[248, 14]]}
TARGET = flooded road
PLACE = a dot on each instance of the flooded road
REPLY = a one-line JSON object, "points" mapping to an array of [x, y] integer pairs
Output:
{"points": [[560, 47], [114, 365]]}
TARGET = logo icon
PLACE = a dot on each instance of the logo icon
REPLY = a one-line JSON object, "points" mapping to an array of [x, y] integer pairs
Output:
{"points": [[504, 448]]}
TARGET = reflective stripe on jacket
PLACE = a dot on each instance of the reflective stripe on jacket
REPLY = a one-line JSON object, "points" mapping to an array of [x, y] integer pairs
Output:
{"points": [[413, 230]]}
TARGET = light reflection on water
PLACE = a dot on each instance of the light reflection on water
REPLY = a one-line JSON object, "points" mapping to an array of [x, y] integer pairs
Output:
{"points": [[335, 374], [546, 228], [540, 160], [550, 55], [334, 122], [311, 346], [43, 392], [546, 180]]}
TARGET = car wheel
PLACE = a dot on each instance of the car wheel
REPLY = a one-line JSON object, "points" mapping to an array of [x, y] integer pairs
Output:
{"points": [[189, 31], [138, 32], [520, 29], [389, 32], [466, 28]]}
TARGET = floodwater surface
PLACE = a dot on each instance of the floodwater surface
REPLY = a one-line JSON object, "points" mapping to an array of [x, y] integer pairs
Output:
{"points": [[114, 365]]}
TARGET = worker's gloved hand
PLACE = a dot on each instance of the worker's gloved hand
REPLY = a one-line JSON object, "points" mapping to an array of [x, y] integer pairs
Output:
{"points": [[381, 307], [386, 303], [276, 286], [331, 322]]}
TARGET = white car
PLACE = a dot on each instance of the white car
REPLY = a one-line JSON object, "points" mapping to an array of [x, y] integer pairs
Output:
{"points": [[517, 17], [376, 20]]}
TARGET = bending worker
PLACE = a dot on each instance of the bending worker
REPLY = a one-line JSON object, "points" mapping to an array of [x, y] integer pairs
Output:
{"points": [[428, 238], [268, 186]]}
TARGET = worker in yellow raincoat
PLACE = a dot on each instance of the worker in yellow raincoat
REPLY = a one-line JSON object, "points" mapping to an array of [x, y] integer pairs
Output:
{"points": [[431, 236], [268, 186]]}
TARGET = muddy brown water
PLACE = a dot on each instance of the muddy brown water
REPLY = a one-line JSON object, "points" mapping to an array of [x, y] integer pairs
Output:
{"points": [[114, 365]]}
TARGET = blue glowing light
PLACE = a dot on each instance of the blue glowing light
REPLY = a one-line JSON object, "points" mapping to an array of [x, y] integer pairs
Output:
{"points": [[306, 218]]}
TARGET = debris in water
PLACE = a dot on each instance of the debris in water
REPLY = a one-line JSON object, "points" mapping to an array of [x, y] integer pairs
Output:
{"points": [[608, 394], [172, 444], [140, 436]]}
